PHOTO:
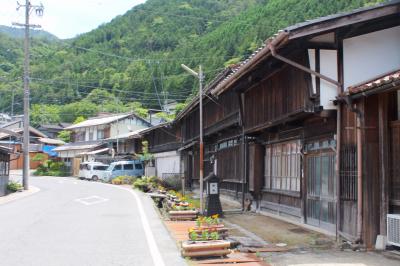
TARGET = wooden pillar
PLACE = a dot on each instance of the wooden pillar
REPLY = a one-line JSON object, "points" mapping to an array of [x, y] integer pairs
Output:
{"points": [[384, 159]]}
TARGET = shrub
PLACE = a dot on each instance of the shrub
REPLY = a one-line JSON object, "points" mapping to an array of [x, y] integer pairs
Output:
{"points": [[146, 183], [128, 180], [51, 168], [173, 182], [13, 186], [116, 181], [142, 185]]}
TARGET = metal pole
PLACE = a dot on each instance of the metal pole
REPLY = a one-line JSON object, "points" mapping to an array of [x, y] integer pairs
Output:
{"points": [[25, 175], [201, 139]]}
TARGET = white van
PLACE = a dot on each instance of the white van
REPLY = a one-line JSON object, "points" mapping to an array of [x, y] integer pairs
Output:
{"points": [[92, 171]]}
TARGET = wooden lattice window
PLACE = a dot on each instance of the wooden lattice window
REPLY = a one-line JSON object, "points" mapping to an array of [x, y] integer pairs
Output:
{"points": [[283, 166]]}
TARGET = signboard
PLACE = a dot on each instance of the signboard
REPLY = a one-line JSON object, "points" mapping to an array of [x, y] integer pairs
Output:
{"points": [[213, 188]]}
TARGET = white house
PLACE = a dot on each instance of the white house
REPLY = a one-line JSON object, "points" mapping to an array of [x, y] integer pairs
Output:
{"points": [[90, 137]]}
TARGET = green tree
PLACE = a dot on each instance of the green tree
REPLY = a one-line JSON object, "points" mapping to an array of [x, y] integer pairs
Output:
{"points": [[64, 135], [78, 120], [44, 114], [138, 109]]}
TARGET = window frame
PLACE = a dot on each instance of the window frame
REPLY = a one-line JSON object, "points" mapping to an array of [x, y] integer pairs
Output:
{"points": [[131, 164], [283, 167]]}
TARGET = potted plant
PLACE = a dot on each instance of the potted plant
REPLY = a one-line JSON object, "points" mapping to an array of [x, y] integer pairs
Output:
{"points": [[206, 244]]}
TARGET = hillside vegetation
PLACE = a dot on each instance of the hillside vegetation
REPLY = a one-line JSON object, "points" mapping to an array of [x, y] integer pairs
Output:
{"points": [[137, 56]]}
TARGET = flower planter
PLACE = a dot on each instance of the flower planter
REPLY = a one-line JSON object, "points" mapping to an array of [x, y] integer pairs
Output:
{"points": [[209, 227], [222, 232], [196, 249], [183, 215]]}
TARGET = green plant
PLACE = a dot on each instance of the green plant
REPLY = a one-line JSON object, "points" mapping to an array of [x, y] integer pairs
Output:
{"points": [[142, 185], [51, 168], [173, 182], [214, 235], [193, 235], [205, 235], [146, 156], [13, 186], [199, 221], [39, 157], [116, 181], [64, 135]]}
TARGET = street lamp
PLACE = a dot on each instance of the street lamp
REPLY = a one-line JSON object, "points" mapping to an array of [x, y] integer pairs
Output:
{"points": [[200, 76]]}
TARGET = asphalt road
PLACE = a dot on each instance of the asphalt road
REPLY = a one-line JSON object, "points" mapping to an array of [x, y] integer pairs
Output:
{"points": [[71, 222]]}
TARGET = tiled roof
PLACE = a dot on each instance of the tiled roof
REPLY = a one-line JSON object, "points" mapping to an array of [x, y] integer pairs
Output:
{"points": [[96, 121], [5, 149], [391, 78], [84, 145]]}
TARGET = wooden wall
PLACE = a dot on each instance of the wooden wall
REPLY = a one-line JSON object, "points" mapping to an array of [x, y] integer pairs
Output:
{"points": [[227, 104], [285, 93], [164, 138], [371, 175], [190, 126], [230, 164], [348, 174]]}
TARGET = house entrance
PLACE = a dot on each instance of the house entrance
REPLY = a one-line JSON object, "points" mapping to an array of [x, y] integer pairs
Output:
{"points": [[321, 185]]}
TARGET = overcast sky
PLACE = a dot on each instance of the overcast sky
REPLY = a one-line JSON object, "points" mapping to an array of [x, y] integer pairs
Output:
{"points": [[67, 18]]}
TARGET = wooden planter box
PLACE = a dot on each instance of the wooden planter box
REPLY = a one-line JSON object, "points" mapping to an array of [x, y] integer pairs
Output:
{"points": [[197, 249], [183, 215]]}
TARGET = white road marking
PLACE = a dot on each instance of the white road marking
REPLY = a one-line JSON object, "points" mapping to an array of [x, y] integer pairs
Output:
{"points": [[91, 200], [75, 183], [154, 251]]}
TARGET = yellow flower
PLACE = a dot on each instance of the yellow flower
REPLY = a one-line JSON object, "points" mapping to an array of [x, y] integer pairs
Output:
{"points": [[215, 216]]}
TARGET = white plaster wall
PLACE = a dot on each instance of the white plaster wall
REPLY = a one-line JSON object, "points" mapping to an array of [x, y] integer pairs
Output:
{"points": [[328, 67], [370, 55], [125, 126], [311, 58], [167, 162]]}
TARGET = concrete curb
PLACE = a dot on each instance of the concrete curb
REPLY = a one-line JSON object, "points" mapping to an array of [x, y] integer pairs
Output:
{"points": [[18, 195]]}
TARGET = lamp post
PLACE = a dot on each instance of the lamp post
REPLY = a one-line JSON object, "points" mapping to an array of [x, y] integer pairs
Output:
{"points": [[200, 76]]}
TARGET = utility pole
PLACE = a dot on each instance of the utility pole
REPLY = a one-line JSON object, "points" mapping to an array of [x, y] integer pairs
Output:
{"points": [[12, 103], [39, 11], [200, 76]]}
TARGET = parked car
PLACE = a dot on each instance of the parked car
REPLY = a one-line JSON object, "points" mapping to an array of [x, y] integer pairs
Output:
{"points": [[125, 168], [93, 171]]}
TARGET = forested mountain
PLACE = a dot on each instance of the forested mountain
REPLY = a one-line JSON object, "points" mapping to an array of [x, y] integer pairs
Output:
{"points": [[19, 33], [137, 56]]}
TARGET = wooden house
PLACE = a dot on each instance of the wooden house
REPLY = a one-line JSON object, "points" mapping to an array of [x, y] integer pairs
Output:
{"points": [[164, 142], [371, 144], [306, 154], [39, 143], [109, 135], [308, 124], [222, 139]]}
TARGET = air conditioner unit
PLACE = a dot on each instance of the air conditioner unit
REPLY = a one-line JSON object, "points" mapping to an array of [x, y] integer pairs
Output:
{"points": [[393, 229]]}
